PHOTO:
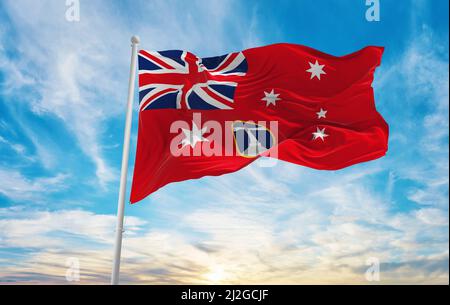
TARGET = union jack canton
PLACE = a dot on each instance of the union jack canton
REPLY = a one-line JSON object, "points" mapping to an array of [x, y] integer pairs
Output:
{"points": [[180, 80]]}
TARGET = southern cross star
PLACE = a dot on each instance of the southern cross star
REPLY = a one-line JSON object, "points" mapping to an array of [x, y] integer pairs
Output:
{"points": [[320, 133], [316, 70], [322, 114], [271, 98]]}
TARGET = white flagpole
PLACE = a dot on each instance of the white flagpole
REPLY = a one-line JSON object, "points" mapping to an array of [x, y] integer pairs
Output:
{"points": [[124, 169]]}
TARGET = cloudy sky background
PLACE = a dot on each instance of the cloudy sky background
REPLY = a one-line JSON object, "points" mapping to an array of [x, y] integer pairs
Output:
{"points": [[62, 99]]}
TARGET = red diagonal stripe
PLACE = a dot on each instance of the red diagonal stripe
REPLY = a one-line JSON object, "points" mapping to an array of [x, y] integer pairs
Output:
{"points": [[226, 63], [217, 97], [154, 97], [156, 60]]}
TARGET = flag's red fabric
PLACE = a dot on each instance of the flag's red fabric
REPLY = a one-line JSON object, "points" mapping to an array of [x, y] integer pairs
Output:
{"points": [[323, 105]]}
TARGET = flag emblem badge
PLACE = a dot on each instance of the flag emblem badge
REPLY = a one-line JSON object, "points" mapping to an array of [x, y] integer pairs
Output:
{"points": [[252, 139]]}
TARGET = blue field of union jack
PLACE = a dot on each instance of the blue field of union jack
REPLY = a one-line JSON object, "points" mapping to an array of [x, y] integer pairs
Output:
{"points": [[180, 80]]}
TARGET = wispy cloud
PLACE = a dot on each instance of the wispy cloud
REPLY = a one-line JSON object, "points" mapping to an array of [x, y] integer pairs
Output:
{"points": [[36, 228], [420, 80], [84, 84], [18, 148], [310, 237], [17, 187], [69, 76]]}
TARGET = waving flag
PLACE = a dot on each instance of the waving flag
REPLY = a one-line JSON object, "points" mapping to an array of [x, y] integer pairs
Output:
{"points": [[212, 116]]}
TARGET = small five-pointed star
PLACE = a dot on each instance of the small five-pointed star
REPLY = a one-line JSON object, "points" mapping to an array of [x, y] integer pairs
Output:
{"points": [[320, 133], [271, 97], [192, 137], [322, 114], [316, 70]]}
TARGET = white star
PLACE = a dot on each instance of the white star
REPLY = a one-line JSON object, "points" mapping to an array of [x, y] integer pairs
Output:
{"points": [[271, 98], [316, 70], [192, 137], [319, 134], [322, 114]]}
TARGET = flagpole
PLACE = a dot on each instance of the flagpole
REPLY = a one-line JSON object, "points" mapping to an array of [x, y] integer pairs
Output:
{"points": [[124, 169]]}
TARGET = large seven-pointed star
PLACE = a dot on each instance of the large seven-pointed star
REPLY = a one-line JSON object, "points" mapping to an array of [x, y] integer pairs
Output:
{"points": [[316, 69], [192, 137]]}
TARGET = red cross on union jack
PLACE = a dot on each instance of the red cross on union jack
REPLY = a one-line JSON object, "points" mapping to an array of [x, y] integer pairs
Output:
{"points": [[180, 80]]}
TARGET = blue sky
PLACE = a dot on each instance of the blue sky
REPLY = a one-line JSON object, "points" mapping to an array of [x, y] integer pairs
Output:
{"points": [[62, 99]]}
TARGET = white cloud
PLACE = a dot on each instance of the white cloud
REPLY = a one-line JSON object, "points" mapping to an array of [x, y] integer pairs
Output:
{"points": [[17, 187], [37, 229], [291, 237], [19, 149], [288, 238], [432, 216], [418, 82]]}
